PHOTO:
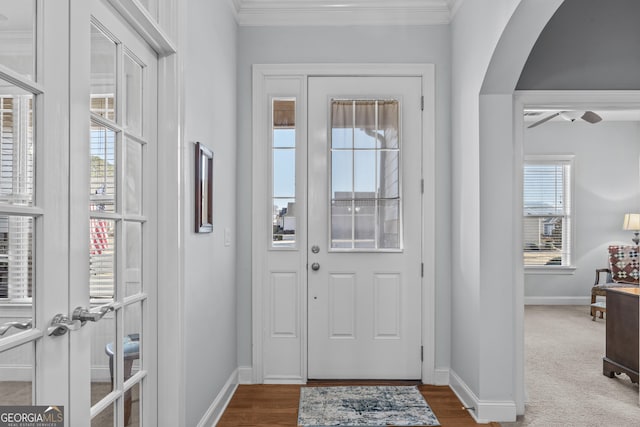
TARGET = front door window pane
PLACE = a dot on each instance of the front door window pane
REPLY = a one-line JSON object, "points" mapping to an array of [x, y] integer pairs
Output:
{"points": [[18, 35], [365, 175]]}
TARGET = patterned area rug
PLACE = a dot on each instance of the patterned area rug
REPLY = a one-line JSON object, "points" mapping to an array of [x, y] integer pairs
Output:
{"points": [[364, 406]]}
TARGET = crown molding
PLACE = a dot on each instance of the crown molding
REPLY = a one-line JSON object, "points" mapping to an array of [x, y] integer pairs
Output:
{"points": [[454, 5], [348, 12]]}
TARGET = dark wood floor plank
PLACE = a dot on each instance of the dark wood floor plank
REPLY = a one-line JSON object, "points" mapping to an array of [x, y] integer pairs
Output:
{"points": [[277, 405]]}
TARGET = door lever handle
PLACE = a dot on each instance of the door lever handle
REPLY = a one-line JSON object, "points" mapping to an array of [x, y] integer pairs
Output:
{"points": [[18, 325], [84, 315], [61, 324]]}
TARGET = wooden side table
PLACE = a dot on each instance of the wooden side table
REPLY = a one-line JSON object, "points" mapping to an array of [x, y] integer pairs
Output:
{"points": [[622, 333]]}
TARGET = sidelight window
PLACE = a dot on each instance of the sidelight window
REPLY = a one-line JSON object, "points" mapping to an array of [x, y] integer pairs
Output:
{"points": [[283, 167]]}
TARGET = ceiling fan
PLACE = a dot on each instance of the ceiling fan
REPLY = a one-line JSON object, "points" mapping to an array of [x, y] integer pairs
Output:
{"points": [[587, 116]]}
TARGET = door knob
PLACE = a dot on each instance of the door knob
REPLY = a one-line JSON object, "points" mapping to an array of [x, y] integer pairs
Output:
{"points": [[315, 266], [83, 314], [315, 249], [18, 325], [60, 324]]}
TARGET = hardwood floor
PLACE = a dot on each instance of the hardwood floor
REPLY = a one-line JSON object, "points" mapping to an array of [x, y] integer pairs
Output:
{"points": [[277, 405]]}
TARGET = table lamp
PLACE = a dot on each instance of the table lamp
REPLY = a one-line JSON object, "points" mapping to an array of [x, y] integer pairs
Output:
{"points": [[632, 222]]}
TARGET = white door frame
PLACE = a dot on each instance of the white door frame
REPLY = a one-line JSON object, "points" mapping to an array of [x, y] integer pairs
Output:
{"points": [[260, 122], [565, 99]]}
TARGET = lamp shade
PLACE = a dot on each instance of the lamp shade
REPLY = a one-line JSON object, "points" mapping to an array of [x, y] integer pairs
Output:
{"points": [[631, 221]]}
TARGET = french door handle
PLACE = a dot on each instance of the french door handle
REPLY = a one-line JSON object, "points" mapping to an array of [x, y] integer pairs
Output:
{"points": [[18, 325], [61, 324], [84, 314]]}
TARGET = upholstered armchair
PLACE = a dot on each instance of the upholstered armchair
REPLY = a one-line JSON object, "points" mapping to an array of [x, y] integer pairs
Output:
{"points": [[623, 272]]}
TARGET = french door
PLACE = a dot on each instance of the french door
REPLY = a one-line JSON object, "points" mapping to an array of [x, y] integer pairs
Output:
{"points": [[364, 254], [77, 196]]}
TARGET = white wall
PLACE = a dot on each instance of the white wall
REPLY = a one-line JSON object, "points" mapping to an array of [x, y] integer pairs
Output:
{"points": [[476, 29], [607, 178], [366, 44], [490, 43], [210, 358]]}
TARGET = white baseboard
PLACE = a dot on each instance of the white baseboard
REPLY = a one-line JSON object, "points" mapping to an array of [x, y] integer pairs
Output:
{"points": [[215, 411], [482, 411], [245, 375], [586, 300], [284, 379], [16, 373], [441, 376]]}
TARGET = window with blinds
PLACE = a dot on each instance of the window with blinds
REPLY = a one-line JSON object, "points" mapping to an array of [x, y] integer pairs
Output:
{"points": [[547, 183]]}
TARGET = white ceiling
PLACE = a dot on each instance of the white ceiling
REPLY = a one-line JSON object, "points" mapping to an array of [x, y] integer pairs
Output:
{"points": [[344, 12]]}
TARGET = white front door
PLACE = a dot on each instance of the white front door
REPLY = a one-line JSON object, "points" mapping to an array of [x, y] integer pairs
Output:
{"points": [[78, 116], [364, 235]]}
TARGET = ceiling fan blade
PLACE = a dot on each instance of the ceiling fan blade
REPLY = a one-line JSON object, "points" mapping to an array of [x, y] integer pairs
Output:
{"points": [[546, 119], [591, 117]]}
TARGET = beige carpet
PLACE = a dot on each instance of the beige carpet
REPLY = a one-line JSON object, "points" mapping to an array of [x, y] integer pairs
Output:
{"points": [[563, 372]]}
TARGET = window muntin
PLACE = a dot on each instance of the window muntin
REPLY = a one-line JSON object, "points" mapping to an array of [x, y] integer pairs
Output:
{"points": [[283, 173], [365, 175], [547, 212]]}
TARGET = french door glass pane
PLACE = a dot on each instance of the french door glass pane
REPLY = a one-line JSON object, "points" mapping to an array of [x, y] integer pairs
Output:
{"points": [[133, 95], [132, 411], [102, 187], [133, 339], [103, 74], [103, 361], [133, 178], [102, 262], [16, 266], [18, 35], [365, 175], [16, 381], [133, 258], [16, 145], [104, 418]]}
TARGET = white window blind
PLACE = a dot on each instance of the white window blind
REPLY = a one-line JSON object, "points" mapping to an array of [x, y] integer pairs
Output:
{"points": [[547, 212]]}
